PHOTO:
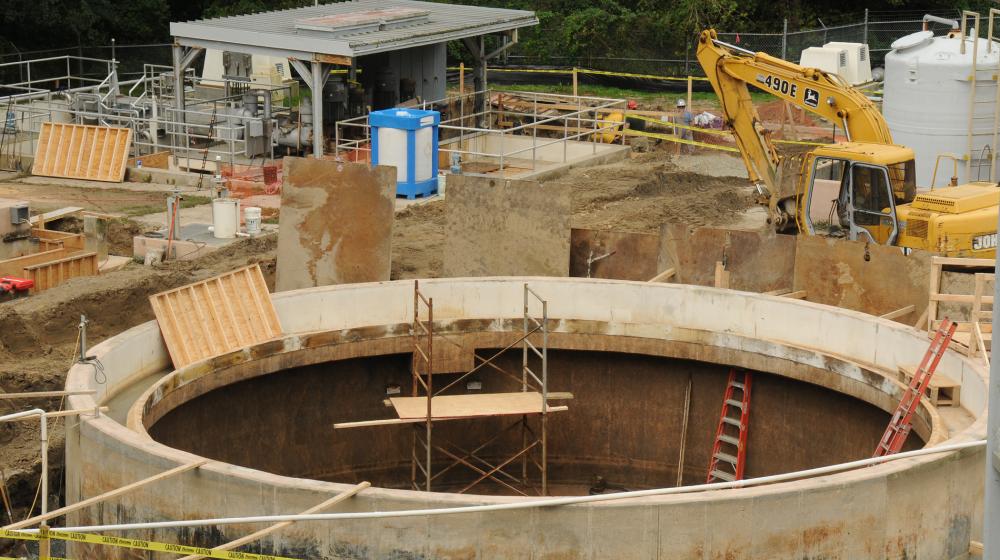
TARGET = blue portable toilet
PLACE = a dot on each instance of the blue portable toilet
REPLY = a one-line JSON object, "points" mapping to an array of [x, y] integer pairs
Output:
{"points": [[408, 140]]}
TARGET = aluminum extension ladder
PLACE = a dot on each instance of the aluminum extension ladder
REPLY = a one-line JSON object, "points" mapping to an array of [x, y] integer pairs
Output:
{"points": [[730, 449], [900, 424]]}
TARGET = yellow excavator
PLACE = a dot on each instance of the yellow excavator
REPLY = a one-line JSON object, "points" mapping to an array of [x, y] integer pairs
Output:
{"points": [[861, 189]]}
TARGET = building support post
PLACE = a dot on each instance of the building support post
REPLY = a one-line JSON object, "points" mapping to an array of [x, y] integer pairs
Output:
{"points": [[318, 81], [477, 46], [991, 502], [183, 58]]}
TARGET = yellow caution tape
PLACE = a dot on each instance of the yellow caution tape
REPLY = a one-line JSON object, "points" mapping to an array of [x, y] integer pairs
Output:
{"points": [[645, 76], [672, 138], [677, 125], [8, 534], [107, 540], [569, 71], [714, 131]]}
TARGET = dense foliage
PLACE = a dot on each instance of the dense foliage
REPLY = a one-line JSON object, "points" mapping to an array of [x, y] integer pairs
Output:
{"points": [[572, 28]]}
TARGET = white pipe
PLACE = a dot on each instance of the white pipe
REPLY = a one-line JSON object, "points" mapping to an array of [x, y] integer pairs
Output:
{"points": [[550, 502], [45, 448]]}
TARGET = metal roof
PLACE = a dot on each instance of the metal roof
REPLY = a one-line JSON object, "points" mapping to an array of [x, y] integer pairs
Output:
{"points": [[295, 33]]}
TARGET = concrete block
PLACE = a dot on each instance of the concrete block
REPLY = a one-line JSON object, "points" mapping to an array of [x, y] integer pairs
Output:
{"points": [[616, 255], [506, 228], [335, 224]]}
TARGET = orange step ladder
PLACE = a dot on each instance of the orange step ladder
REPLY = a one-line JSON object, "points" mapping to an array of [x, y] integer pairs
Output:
{"points": [[900, 424], [730, 450]]}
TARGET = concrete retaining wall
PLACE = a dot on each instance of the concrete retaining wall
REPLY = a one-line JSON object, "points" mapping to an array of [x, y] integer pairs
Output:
{"points": [[916, 508]]}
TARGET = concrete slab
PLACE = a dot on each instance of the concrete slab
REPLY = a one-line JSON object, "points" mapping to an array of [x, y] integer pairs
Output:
{"points": [[193, 241], [335, 223], [506, 228]]}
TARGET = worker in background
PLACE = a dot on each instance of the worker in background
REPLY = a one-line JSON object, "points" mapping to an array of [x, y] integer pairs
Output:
{"points": [[685, 118]]}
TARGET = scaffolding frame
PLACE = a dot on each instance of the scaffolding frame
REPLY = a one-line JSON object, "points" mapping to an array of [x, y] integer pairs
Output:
{"points": [[424, 446]]}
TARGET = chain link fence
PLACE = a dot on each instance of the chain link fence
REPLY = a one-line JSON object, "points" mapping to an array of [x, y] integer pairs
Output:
{"points": [[878, 30], [130, 61]]}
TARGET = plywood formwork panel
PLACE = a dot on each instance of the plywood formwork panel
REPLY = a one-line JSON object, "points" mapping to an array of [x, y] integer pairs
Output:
{"points": [[52, 273], [215, 316], [79, 151], [335, 225]]}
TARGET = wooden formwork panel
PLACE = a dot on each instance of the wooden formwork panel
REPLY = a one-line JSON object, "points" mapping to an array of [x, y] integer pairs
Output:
{"points": [[50, 274], [215, 316], [80, 151], [53, 239]]}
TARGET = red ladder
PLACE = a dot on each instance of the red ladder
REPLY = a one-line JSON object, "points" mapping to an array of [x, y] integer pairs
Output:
{"points": [[900, 424], [727, 462]]}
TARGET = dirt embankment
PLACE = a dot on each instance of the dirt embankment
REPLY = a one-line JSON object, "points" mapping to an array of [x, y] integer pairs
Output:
{"points": [[38, 337]]}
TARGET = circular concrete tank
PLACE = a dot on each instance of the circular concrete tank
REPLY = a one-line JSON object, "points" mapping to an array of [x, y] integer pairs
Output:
{"points": [[626, 351]]}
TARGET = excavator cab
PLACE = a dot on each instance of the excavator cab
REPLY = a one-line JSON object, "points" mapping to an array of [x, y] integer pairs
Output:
{"points": [[852, 189]]}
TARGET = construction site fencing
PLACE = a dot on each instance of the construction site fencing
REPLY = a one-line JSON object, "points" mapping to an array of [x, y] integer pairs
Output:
{"points": [[578, 118]]}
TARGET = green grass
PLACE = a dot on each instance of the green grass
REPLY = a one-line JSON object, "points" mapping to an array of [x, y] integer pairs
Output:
{"points": [[187, 202], [648, 97]]}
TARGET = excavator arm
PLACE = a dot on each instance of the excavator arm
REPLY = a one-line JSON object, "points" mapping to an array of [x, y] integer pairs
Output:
{"points": [[730, 68]]}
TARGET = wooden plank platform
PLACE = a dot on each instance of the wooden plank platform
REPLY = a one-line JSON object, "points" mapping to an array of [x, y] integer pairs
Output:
{"points": [[80, 151], [468, 406], [215, 316], [942, 390]]}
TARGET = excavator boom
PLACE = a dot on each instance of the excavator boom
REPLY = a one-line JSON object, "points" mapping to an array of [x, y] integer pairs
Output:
{"points": [[730, 68]]}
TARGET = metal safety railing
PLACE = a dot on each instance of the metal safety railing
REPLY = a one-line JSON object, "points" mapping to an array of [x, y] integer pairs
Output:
{"points": [[549, 119]]}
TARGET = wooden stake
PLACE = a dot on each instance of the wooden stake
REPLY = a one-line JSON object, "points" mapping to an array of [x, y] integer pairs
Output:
{"points": [[461, 78], [721, 275], [684, 433], [575, 93], [105, 496], [690, 89]]}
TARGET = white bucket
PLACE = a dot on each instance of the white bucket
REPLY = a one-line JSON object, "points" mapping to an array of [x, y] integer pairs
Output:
{"points": [[251, 217], [225, 217]]}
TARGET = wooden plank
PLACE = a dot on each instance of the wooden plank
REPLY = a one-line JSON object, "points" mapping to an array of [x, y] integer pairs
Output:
{"points": [[105, 496], [257, 535], [798, 294], [469, 406], [215, 316], [398, 421], [44, 394], [959, 298], [77, 151], [55, 214], [663, 276], [899, 312], [942, 390], [958, 261]]}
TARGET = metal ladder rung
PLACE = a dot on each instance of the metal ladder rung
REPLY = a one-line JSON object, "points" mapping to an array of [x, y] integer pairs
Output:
{"points": [[723, 475], [731, 459], [734, 402], [732, 422], [738, 385], [730, 440]]}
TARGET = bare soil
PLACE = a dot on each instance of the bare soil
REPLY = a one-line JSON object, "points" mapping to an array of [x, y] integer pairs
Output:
{"points": [[38, 334]]}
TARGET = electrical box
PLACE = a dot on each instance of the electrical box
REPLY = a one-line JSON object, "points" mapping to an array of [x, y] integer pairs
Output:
{"points": [[829, 60], [14, 219], [859, 64]]}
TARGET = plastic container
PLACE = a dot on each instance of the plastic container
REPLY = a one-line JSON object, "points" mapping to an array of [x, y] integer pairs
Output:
{"points": [[927, 107], [225, 217], [407, 139], [251, 219]]}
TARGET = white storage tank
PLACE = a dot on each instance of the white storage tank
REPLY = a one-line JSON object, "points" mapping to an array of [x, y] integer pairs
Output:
{"points": [[926, 102]]}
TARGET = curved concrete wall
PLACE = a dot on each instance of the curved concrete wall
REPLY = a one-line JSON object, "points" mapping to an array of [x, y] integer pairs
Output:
{"points": [[917, 508]]}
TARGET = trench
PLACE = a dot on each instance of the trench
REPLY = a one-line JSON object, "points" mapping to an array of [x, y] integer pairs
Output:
{"points": [[623, 425]]}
